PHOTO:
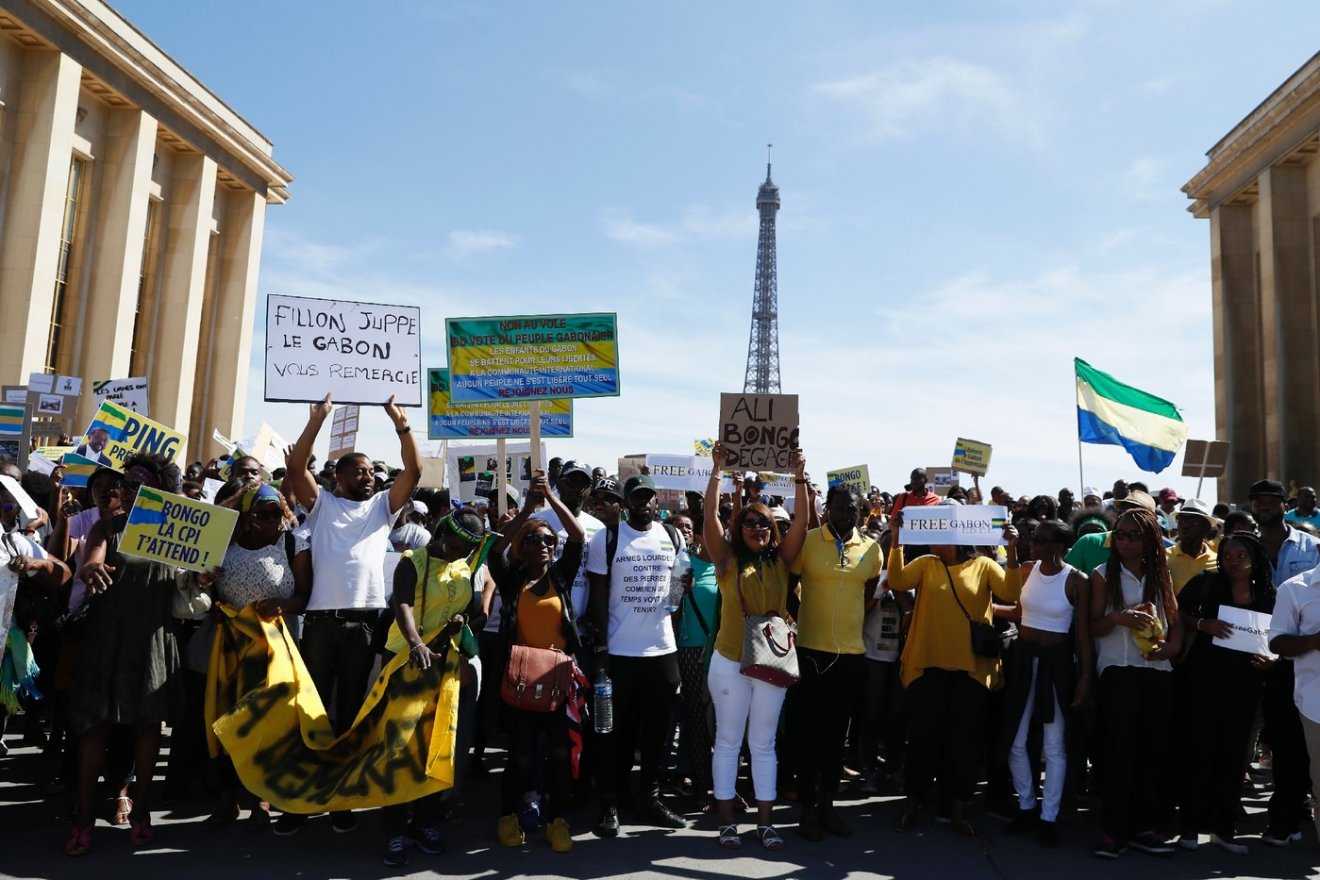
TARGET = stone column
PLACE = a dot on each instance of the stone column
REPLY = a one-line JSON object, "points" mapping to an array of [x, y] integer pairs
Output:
{"points": [[118, 231], [1239, 393], [174, 370], [39, 176]]}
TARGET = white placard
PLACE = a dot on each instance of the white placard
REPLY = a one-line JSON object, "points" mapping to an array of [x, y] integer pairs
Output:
{"points": [[127, 393], [978, 525], [470, 467], [43, 383], [692, 473], [358, 352], [1251, 631]]}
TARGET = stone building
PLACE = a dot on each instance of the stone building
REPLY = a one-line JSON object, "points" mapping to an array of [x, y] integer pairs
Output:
{"points": [[132, 206], [1260, 189]]}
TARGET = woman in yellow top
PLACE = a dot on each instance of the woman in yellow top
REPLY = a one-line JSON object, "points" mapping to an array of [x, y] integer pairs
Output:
{"points": [[948, 685], [751, 566], [435, 585]]}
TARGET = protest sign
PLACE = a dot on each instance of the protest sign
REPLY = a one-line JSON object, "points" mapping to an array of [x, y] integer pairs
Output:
{"points": [[174, 529], [39, 464], [210, 488], [16, 432], [116, 433], [857, 478], [941, 480], [48, 383], [268, 447], [78, 469], [433, 473], [8, 594], [14, 394], [509, 419], [343, 431], [692, 473], [1251, 631], [359, 352], [629, 466], [533, 356], [703, 446], [470, 468], [128, 393], [26, 505], [759, 431], [971, 457], [968, 524]]}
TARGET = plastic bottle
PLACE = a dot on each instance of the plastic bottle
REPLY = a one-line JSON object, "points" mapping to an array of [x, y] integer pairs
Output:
{"points": [[604, 702], [678, 581]]}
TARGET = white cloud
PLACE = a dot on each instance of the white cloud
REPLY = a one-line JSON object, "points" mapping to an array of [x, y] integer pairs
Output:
{"points": [[698, 223], [465, 242], [622, 228]]}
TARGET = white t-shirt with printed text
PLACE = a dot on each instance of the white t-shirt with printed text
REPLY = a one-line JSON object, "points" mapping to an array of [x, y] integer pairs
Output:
{"points": [[639, 625]]}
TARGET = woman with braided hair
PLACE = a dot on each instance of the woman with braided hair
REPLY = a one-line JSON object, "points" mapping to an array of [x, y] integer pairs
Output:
{"points": [[1217, 691], [1137, 630]]}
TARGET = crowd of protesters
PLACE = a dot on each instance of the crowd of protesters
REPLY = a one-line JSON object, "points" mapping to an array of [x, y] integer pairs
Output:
{"points": [[1080, 662]]}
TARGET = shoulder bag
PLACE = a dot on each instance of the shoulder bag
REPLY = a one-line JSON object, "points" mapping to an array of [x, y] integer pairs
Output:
{"points": [[769, 646], [536, 679], [985, 639]]}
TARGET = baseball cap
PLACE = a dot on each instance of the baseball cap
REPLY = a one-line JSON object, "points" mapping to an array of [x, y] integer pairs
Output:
{"points": [[1137, 498], [1266, 487], [638, 481], [574, 466], [419, 507], [1092, 490], [1168, 494], [607, 486]]}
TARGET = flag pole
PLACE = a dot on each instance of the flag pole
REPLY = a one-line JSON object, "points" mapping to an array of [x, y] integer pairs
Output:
{"points": [[1081, 476]]}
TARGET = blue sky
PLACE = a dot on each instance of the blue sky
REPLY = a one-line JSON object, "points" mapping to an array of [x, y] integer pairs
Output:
{"points": [[973, 194]]}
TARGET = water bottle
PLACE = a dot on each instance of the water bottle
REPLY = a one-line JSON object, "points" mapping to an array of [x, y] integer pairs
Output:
{"points": [[604, 702], [678, 581]]}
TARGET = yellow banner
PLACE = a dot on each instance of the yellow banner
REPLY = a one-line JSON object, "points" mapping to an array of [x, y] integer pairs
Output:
{"points": [[174, 529], [971, 457], [400, 747], [116, 433]]}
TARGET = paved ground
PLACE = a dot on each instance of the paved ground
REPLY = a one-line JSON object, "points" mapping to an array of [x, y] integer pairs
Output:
{"points": [[32, 829]]}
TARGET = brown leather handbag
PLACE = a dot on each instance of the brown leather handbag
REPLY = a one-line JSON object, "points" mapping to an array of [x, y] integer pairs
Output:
{"points": [[536, 679]]}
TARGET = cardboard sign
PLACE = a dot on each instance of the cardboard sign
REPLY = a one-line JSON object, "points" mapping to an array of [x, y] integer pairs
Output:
{"points": [[16, 432], [978, 525], [343, 431], [268, 447], [759, 431], [470, 468], [128, 393], [941, 480], [509, 419], [533, 356], [1251, 631], [47, 383], [116, 433], [176, 530], [14, 394], [360, 352], [51, 406], [858, 478], [971, 457], [703, 446], [433, 473]]}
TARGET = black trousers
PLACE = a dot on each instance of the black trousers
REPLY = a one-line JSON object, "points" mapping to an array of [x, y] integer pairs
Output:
{"points": [[1216, 705], [1135, 708], [339, 655], [945, 736], [826, 693], [645, 692], [525, 731], [1292, 765]]}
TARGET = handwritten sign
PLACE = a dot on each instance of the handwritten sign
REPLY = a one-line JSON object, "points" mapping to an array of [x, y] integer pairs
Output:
{"points": [[176, 530], [509, 419], [361, 352], [971, 457], [128, 393], [1251, 631], [116, 433], [858, 478], [533, 356], [759, 431], [977, 525]]}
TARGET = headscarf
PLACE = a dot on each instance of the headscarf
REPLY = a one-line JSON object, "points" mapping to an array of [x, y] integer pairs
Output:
{"points": [[262, 493]]}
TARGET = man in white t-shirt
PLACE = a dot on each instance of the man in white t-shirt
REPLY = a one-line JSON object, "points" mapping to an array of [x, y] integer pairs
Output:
{"points": [[635, 644], [349, 532], [1295, 635]]}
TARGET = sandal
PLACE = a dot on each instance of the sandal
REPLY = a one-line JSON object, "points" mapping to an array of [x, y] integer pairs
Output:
{"points": [[140, 831], [80, 840], [123, 809], [729, 838], [770, 838]]}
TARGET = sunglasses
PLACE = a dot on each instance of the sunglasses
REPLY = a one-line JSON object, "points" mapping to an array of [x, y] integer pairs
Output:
{"points": [[759, 523], [270, 515], [540, 540], [1128, 535]]}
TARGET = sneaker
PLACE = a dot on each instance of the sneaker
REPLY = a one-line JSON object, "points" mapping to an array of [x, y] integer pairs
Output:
{"points": [[288, 824], [1280, 838], [1024, 821], [560, 838], [1149, 841], [396, 853], [658, 813], [1048, 834], [1109, 848], [1229, 845], [1189, 842], [343, 821], [608, 826], [427, 840], [509, 831]]}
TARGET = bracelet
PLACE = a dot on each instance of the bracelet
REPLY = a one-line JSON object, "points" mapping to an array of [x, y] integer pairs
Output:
{"points": [[795, 480], [404, 430]]}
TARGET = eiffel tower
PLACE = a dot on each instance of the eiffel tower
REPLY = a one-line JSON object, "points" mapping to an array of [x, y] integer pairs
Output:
{"points": [[763, 342]]}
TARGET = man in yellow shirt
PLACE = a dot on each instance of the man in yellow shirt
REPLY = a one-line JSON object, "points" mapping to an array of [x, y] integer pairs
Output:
{"points": [[1192, 555]]}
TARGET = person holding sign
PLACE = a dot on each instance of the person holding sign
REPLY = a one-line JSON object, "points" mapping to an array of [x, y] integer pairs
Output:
{"points": [[1217, 690], [350, 530], [128, 669], [839, 569], [1137, 630], [751, 566], [948, 671]]}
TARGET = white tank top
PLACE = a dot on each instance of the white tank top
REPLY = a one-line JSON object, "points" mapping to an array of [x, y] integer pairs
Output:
{"points": [[1044, 601], [1119, 648]]}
